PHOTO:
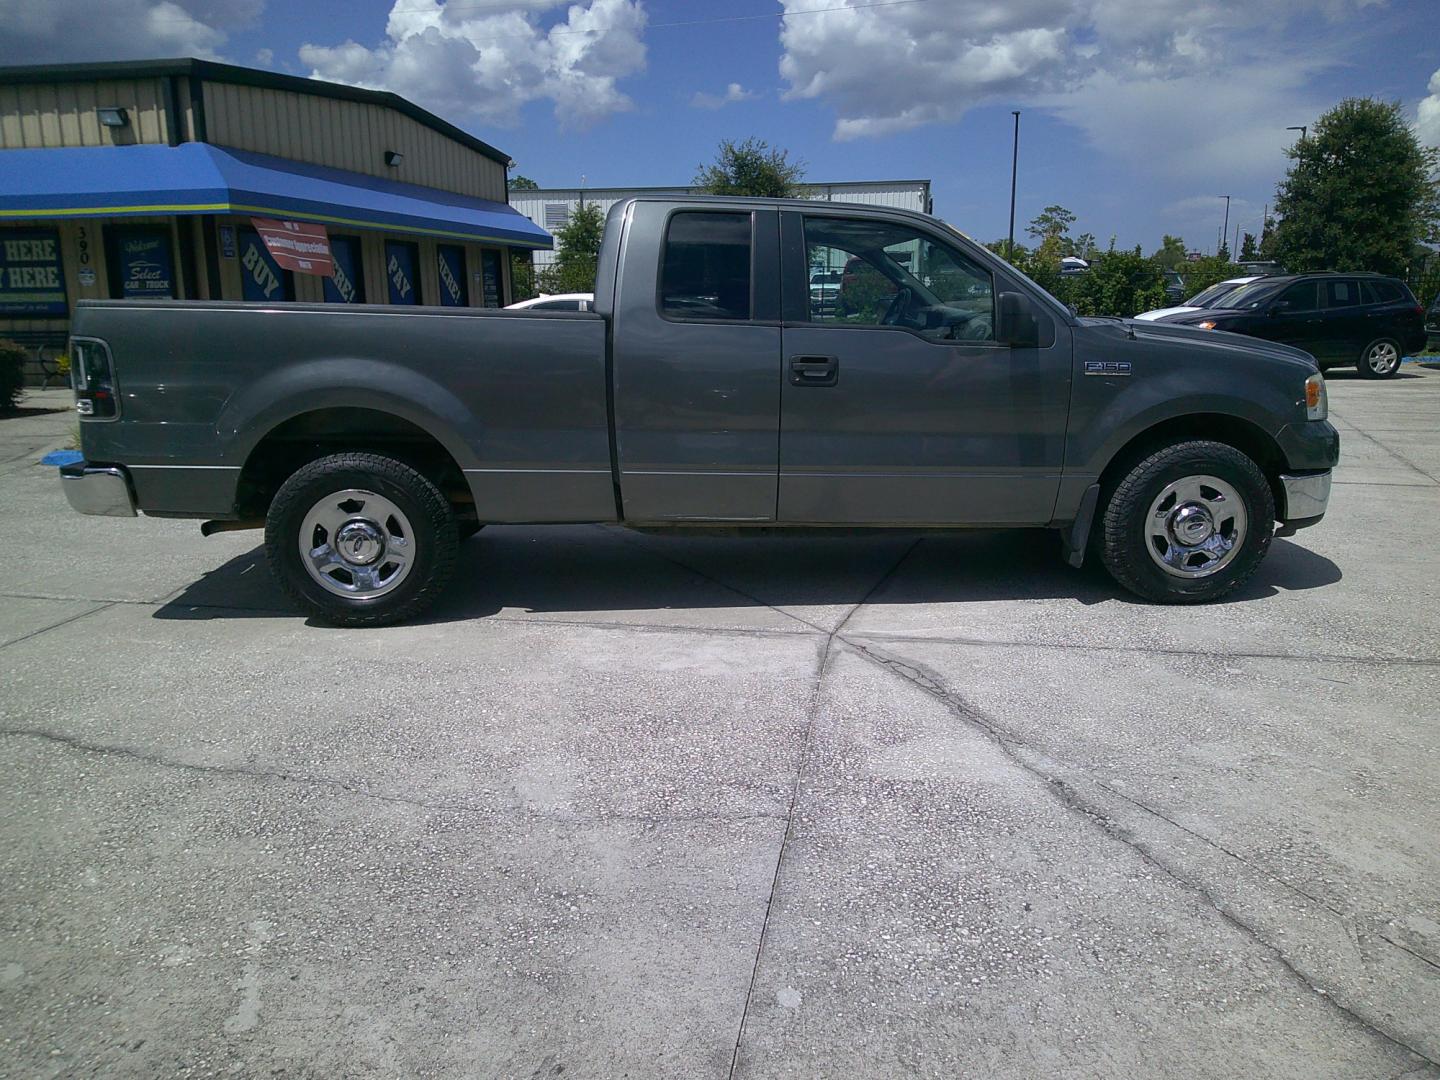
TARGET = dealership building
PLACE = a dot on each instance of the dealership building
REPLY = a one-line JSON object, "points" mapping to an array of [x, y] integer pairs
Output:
{"points": [[551, 208], [188, 179]]}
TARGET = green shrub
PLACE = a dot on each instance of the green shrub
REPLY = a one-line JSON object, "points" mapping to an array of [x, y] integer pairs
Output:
{"points": [[62, 367], [12, 373]]}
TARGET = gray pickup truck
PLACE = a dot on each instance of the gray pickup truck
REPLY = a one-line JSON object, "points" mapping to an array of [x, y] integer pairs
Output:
{"points": [[938, 387]]}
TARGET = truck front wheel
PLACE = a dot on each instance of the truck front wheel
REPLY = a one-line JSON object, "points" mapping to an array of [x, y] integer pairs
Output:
{"points": [[1188, 523], [361, 540]]}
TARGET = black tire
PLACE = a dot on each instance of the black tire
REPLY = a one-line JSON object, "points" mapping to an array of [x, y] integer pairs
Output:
{"points": [[431, 544], [1380, 359], [1125, 541]]}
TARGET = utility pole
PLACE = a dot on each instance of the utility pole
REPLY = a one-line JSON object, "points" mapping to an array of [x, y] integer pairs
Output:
{"points": [[1014, 166], [1235, 251], [1226, 227], [1302, 128]]}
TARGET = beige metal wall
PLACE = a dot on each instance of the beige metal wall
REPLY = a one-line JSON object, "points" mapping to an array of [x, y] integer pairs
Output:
{"points": [[346, 135], [63, 114]]}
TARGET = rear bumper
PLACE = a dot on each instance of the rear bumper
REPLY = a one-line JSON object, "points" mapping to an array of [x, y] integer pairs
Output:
{"points": [[1307, 497], [102, 490]]}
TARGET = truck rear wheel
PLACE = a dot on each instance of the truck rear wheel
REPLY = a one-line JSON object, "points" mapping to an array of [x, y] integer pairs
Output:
{"points": [[1188, 524], [361, 540]]}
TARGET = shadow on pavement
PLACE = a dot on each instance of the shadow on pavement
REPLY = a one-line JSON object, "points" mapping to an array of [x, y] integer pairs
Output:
{"points": [[579, 569]]}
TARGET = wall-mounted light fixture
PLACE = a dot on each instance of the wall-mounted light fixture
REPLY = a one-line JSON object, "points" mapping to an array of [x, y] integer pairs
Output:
{"points": [[393, 158], [112, 116]]}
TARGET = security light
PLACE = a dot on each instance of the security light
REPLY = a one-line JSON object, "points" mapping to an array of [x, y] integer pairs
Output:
{"points": [[112, 116], [393, 158]]}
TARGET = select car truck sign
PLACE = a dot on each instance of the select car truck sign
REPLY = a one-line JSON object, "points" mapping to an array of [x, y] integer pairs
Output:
{"points": [[141, 264], [32, 281], [297, 245]]}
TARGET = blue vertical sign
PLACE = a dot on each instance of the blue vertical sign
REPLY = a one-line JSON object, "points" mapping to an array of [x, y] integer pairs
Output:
{"points": [[402, 272], [450, 259], [31, 279], [261, 277], [348, 284], [490, 276], [142, 264]]}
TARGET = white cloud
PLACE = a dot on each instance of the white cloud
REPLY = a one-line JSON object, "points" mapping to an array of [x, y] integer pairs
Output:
{"points": [[1180, 87], [487, 60], [733, 93], [265, 57], [60, 31], [1427, 116]]}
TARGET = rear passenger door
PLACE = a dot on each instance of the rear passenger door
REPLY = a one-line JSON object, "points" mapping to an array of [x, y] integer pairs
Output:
{"points": [[1343, 328], [696, 364]]}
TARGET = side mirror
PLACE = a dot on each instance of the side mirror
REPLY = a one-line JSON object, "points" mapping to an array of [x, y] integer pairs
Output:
{"points": [[1022, 324], [1279, 307]]}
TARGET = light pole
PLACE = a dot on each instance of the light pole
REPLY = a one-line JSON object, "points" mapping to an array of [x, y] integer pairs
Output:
{"points": [[1302, 128], [1014, 165], [1226, 227]]}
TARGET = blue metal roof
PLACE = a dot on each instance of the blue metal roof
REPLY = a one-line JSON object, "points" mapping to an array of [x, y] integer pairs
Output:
{"points": [[197, 178]]}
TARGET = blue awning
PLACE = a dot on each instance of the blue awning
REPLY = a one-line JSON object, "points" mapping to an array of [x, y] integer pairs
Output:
{"points": [[197, 178]]}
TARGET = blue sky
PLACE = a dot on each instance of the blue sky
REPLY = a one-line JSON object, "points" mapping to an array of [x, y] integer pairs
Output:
{"points": [[1135, 113]]}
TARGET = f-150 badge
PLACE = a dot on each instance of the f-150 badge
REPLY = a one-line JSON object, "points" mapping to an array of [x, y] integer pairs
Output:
{"points": [[1107, 367]]}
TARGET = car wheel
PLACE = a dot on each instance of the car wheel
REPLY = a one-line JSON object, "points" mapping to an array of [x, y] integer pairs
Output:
{"points": [[1381, 359], [1187, 524], [361, 540]]}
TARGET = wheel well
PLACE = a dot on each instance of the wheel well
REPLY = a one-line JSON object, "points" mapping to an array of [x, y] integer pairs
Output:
{"points": [[312, 435], [1217, 427]]}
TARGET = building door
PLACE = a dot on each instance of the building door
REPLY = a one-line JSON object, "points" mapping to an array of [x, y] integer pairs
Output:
{"points": [[140, 262], [347, 286], [261, 278], [898, 403], [450, 263], [402, 272]]}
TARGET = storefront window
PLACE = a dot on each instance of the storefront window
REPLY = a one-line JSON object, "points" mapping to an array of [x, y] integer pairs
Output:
{"points": [[141, 262], [32, 281], [454, 290], [261, 277], [348, 284], [402, 272]]}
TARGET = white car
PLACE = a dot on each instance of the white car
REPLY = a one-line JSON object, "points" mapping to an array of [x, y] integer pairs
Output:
{"points": [[1205, 298], [574, 301]]}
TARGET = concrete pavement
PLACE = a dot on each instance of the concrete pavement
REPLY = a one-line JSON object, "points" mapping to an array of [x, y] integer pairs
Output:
{"points": [[629, 805]]}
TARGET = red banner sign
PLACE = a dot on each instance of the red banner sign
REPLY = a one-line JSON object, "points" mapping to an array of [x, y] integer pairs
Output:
{"points": [[297, 245]]}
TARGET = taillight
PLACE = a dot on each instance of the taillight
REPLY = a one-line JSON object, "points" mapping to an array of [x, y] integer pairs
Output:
{"points": [[92, 374]]}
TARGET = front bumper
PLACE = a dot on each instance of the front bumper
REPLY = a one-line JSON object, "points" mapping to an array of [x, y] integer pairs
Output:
{"points": [[103, 490], [1306, 498]]}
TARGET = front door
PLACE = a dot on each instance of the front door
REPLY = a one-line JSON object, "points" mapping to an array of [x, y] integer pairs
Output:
{"points": [[898, 404]]}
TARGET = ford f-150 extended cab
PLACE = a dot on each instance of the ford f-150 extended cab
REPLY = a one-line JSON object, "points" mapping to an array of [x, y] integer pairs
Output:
{"points": [[706, 388]]}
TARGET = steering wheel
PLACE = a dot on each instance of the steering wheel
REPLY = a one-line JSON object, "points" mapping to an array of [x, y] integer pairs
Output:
{"points": [[898, 306]]}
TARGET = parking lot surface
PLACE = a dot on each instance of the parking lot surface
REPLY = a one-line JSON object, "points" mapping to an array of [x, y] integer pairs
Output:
{"points": [[627, 805]]}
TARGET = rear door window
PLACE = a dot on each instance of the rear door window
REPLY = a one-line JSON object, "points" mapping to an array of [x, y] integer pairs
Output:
{"points": [[1342, 294], [706, 272]]}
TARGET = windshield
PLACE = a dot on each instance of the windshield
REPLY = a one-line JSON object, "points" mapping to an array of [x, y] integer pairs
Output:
{"points": [[1212, 296], [1249, 297]]}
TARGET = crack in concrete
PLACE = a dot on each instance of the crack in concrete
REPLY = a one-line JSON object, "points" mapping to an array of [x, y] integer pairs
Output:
{"points": [[56, 625], [1069, 797], [1393, 453], [303, 780], [812, 712]]}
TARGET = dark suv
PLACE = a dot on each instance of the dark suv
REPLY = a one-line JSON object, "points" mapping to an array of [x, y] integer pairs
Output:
{"points": [[1362, 319]]}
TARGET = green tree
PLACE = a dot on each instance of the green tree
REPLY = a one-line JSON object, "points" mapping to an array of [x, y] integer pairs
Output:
{"points": [[1360, 192], [1171, 252], [1122, 283], [579, 249], [751, 168], [521, 183], [522, 276], [1053, 224], [1249, 250]]}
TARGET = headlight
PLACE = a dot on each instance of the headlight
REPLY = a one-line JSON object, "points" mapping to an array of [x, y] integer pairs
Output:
{"points": [[1207, 324], [1317, 401]]}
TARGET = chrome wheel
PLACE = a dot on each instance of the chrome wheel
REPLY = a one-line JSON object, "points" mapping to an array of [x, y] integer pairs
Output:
{"points": [[356, 543], [1196, 526], [1382, 358]]}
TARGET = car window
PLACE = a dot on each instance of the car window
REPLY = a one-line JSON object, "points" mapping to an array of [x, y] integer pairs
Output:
{"points": [[1255, 295], [1386, 292], [706, 272], [1211, 297], [1340, 294], [1302, 296], [895, 275], [558, 305]]}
